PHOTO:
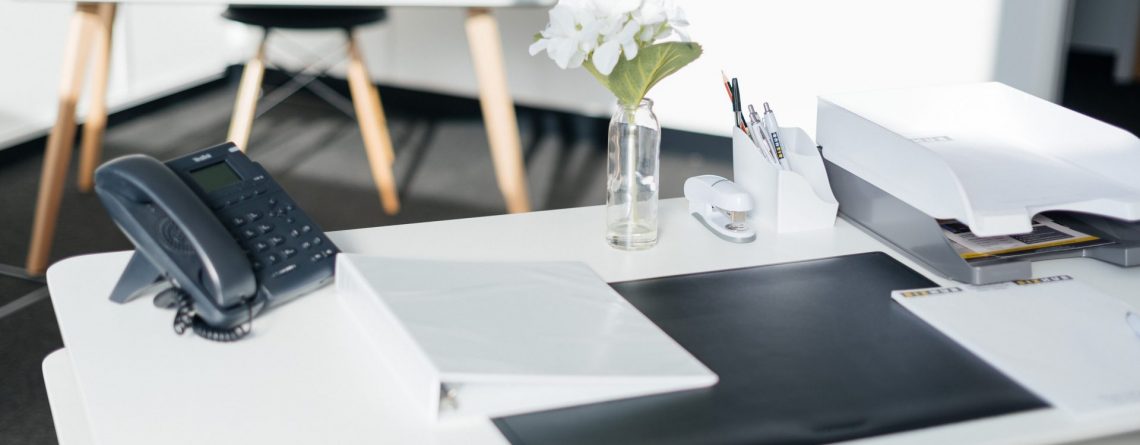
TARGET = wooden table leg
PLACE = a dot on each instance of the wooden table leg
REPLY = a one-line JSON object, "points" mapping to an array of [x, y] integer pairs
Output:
{"points": [[57, 154], [245, 106], [92, 147], [498, 108], [373, 128]]}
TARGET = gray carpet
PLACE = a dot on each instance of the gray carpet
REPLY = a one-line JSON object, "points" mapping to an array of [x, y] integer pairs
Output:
{"points": [[443, 169]]}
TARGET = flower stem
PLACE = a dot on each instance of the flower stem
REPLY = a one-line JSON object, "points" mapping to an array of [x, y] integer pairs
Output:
{"points": [[631, 165]]}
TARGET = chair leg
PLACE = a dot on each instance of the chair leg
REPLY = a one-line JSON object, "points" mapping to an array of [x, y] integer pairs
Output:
{"points": [[373, 127], [92, 147], [60, 142], [498, 108], [245, 106]]}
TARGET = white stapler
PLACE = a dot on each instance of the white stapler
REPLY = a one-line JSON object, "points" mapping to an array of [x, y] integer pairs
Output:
{"points": [[722, 206]]}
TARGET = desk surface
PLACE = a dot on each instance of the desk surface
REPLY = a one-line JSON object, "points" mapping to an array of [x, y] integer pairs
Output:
{"points": [[304, 375]]}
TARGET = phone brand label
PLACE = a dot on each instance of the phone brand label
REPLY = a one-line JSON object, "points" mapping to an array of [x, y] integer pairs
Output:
{"points": [[202, 157]]}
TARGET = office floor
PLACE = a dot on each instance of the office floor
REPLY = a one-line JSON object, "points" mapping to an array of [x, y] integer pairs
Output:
{"points": [[443, 169]]}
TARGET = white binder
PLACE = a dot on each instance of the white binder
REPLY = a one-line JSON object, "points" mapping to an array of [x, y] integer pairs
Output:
{"points": [[494, 339]]}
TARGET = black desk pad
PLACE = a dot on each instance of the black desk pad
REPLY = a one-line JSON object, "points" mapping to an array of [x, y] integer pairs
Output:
{"points": [[806, 352]]}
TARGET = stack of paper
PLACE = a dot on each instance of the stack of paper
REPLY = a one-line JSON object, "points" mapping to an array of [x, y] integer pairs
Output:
{"points": [[494, 339], [1072, 345]]}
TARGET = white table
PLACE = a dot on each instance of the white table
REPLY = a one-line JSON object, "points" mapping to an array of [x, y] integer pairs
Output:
{"points": [[306, 375], [89, 37]]}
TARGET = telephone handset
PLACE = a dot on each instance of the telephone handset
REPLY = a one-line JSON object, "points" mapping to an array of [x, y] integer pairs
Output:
{"points": [[217, 228]]}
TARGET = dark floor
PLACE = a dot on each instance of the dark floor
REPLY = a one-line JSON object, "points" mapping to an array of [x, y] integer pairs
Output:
{"points": [[443, 169], [442, 166]]}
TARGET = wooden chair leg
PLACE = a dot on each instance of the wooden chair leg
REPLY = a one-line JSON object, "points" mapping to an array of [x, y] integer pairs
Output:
{"points": [[57, 154], [386, 137], [373, 128], [498, 108], [92, 147], [245, 106]]}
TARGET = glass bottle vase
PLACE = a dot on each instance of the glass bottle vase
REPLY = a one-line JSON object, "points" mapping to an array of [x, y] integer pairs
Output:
{"points": [[632, 177]]}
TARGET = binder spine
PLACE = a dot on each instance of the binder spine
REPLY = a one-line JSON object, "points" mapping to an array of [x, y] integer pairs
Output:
{"points": [[401, 354]]}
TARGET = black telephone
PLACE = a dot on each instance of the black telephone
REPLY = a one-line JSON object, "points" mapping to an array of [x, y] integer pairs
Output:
{"points": [[216, 228]]}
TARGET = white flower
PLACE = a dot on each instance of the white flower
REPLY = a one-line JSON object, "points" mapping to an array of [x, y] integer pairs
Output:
{"points": [[659, 18], [617, 38], [615, 8], [604, 30], [571, 34]]}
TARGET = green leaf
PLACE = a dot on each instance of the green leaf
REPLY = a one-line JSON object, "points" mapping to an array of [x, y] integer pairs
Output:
{"points": [[631, 80]]}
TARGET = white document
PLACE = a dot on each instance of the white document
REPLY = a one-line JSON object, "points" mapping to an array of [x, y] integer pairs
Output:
{"points": [[1047, 234], [1072, 345], [509, 338]]}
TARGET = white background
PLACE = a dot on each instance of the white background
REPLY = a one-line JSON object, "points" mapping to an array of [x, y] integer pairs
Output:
{"points": [[784, 52]]}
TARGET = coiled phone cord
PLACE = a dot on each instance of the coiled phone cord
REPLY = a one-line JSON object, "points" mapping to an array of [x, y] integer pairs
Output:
{"points": [[186, 318]]}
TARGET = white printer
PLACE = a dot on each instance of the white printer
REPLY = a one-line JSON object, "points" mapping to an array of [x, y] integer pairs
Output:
{"points": [[904, 162]]}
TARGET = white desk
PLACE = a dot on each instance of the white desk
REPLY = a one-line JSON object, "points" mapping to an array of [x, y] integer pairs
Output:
{"points": [[89, 38], [306, 376]]}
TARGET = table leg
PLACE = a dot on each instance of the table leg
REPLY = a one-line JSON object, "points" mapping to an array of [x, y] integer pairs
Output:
{"points": [[96, 123], [57, 154], [498, 108], [245, 106], [373, 128]]}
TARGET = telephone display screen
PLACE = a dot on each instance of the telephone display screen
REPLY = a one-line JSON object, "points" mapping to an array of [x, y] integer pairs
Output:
{"points": [[215, 176]]}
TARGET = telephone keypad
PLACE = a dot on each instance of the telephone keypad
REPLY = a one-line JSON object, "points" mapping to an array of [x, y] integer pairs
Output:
{"points": [[273, 231]]}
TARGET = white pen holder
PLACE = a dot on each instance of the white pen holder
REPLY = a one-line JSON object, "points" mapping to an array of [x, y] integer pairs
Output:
{"points": [[794, 200]]}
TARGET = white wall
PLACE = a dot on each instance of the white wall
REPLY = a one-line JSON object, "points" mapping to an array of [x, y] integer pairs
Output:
{"points": [[784, 52], [157, 49], [1109, 26], [809, 47]]}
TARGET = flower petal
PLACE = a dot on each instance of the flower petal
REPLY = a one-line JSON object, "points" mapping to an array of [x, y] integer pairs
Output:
{"points": [[614, 8], [538, 46], [630, 49], [561, 51], [684, 35], [561, 19], [606, 57], [577, 59], [647, 33]]}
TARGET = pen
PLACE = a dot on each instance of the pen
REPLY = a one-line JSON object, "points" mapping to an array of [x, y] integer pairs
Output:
{"points": [[773, 129], [757, 136], [736, 114]]}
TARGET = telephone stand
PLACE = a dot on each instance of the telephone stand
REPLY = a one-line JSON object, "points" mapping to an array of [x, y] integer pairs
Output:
{"points": [[139, 278]]}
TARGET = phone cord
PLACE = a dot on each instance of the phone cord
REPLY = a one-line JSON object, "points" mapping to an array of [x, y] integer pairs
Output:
{"points": [[186, 318]]}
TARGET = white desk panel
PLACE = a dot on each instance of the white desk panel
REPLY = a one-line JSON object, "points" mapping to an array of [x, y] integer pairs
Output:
{"points": [[306, 376], [68, 412]]}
